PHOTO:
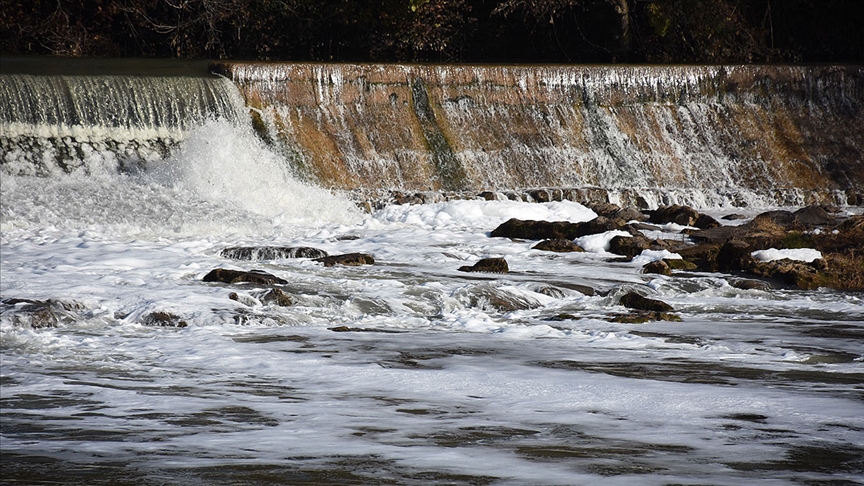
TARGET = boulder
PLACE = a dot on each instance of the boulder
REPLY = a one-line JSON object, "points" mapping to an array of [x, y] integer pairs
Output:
{"points": [[348, 259], [683, 215], [270, 252], [659, 267], [812, 217], [559, 245], [488, 265], [634, 300], [536, 230], [239, 276], [792, 272], [734, 255], [703, 257], [163, 319], [628, 246], [277, 297], [706, 222]]}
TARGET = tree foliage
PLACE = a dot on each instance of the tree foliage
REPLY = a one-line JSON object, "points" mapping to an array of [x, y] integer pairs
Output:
{"points": [[691, 31]]}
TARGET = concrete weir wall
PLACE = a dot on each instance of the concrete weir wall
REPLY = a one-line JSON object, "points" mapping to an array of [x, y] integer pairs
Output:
{"points": [[719, 134]]}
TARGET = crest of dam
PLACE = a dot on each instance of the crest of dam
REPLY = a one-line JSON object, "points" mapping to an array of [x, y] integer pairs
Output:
{"points": [[754, 135], [703, 135]]}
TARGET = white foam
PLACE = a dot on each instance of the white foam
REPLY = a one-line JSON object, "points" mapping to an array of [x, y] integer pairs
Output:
{"points": [[801, 254]]}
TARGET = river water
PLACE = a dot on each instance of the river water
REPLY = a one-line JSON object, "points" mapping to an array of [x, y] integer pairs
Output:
{"points": [[406, 371]]}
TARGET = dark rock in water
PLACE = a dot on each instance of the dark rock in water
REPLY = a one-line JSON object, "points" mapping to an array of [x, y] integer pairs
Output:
{"points": [[704, 257], [270, 252], [734, 255], [659, 267], [633, 300], [706, 222], [600, 224], [683, 215], [277, 297], [748, 284], [734, 217], [642, 317], [40, 314], [628, 214], [488, 265], [163, 319], [363, 329], [559, 245], [239, 276], [812, 217], [641, 227], [679, 264], [540, 195], [800, 274], [553, 230], [347, 259], [536, 230], [628, 246], [782, 218]]}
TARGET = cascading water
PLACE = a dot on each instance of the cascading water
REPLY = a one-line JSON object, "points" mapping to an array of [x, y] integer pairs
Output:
{"points": [[104, 122], [702, 135]]}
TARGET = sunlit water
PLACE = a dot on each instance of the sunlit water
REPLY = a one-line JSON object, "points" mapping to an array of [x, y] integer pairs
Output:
{"points": [[443, 377]]}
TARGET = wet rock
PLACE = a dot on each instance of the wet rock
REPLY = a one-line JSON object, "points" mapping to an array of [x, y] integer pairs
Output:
{"points": [[488, 265], [683, 215], [559, 245], [540, 195], [628, 246], [239, 276], [363, 329], [600, 224], [347, 259], [706, 222], [734, 217], [659, 267], [703, 257], [163, 319], [634, 300], [642, 317], [734, 255], [679, 264], [536, 230], [270, 252], [40, 314], [749, 284], [277, 297], [800, 274], [812, 217]]}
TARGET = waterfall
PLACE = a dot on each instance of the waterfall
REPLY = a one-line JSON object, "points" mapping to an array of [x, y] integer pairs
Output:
{"points": [[703, 135], [645, 135], [81, 123]]}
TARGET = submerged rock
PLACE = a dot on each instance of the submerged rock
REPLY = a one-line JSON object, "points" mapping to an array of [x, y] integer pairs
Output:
{"points": [[239, 276], [634, 300], [559, 245], [163, 319], [488, 265], [40, 314], [641, 317], [271, 252], [347, 259]]}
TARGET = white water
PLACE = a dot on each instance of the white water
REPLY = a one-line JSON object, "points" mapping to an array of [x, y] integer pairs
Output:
{"points": [[486, 379]]}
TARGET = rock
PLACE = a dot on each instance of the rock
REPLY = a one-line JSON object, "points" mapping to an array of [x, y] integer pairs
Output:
{"points": [[628, 214], [812, 217], [683, 215], [633, 300], [540, 195], [801, 274], [40, 314], [659, 267], [749, 284], [704, 257], [488, 265], [271, 252], [642, 317], [559, 245], [734, 255], [706, 222], [734, 217], [238, 276], [348, 259], [781, 218], [277, 297], [628, 246], [600, 224], [536, 230], [163, 319], [679, 264]]}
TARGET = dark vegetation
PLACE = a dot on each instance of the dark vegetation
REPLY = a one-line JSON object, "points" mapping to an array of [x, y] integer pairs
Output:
{"points": [[553, 31]]}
